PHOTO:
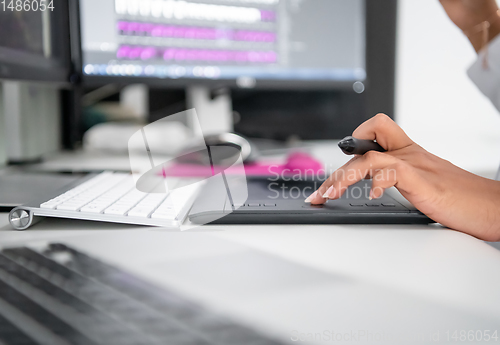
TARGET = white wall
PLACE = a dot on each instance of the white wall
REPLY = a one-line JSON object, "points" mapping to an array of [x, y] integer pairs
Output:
{"points": [[436, 103]]}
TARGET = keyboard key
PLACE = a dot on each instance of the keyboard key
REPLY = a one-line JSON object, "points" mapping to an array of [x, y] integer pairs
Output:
{"points": [[166, 207], [42, 315], [117, 210], [10, 334], [159, 215], [70, 206], [165, 210], [49, 205], [93, 208], [139, 212], [147, 204]]}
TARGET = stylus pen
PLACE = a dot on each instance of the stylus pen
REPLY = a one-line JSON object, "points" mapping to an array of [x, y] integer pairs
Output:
{"points": [[352, 146]]}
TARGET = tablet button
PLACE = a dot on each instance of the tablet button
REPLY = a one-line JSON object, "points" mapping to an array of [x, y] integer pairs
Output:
{"points": [[270, 205], [388, 205], [254, 205], [373, 205], [356, 204]]}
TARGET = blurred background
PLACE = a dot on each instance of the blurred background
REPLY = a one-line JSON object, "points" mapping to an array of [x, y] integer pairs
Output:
{"points": [[436, 102], [282, 73]]}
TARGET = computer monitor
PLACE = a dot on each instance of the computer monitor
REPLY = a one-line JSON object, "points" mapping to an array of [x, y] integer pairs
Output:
{"points": [[245, 43], [345, 48], [34, 44], [35, 63]]}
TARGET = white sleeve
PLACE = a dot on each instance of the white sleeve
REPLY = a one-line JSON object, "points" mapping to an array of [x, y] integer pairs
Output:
{"points": [[488, 79]]}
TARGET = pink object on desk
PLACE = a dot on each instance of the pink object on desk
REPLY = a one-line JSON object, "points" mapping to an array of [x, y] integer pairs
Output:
{"points": [[296, 163]]}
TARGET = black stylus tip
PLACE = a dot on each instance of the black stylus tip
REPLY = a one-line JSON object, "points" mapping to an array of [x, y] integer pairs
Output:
{"points": [[347, 145]]}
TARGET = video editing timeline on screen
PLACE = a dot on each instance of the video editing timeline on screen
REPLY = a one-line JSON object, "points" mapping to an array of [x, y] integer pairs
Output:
{"points": [[244, 34], [266, 39]]}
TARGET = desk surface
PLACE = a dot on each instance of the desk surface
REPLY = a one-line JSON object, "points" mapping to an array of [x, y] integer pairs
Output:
{"points": [[425, 261], [427, 266]]}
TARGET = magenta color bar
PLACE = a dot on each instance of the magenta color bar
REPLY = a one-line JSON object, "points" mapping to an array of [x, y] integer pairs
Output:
{"points": [[148, 53], [145, 28], [122, 26], [254, 36], [171, 31], [267, 16], [133, 53], [123, 52], [183, 54]]}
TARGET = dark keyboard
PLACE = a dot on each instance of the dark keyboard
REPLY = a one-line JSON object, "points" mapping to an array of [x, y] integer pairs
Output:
{"points": [[57, 295]]}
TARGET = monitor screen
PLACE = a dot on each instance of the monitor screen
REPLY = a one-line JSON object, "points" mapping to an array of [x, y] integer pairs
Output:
{"points": [[26, 31], [34, 45], [241, 40]]}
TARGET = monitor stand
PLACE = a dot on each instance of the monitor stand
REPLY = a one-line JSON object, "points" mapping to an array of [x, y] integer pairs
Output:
{"points": [[213, 107], [136, 97]]}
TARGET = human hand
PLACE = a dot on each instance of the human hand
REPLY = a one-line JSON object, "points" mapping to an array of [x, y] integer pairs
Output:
{"points": [[468, 14], [447, 194]]}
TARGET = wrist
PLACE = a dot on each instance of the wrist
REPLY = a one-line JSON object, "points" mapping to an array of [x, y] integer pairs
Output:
{"points": [[487, 224]]}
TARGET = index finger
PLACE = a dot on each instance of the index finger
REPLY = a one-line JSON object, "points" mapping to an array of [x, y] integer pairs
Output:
{"points": [[383, 129], [355, 170]]}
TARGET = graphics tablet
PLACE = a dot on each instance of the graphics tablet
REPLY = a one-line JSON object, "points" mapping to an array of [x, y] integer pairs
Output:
{"points": [[282, 202]]}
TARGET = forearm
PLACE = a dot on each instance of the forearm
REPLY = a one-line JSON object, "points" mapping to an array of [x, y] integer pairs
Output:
{"points": [[476, 210], [478, 19], [489, 223]]}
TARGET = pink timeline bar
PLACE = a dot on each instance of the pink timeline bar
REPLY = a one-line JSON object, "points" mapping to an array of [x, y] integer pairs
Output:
{"points": [[171, 31], [183, 54]]}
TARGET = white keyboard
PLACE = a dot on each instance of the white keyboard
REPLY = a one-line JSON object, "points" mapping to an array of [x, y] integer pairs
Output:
{"points": [[112, 197]]}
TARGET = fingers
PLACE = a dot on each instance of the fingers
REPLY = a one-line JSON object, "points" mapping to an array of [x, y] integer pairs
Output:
{"points": [[354, 171], [323, 188], [383, 179], [388, 134], [383, 129]]}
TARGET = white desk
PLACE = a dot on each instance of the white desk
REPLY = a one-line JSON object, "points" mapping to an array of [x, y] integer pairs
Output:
{"points": [[427, 262]]}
